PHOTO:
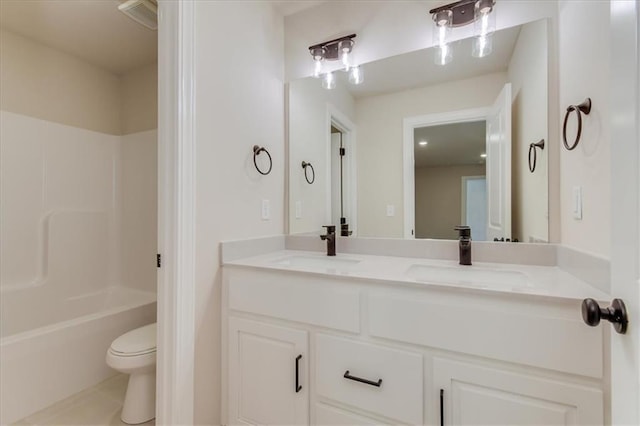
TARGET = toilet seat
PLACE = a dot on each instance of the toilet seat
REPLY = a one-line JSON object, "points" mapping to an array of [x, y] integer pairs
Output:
{"points": [[140, 341]]}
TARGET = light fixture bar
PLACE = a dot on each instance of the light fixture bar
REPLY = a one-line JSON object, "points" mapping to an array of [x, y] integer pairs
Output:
{"points": [[463, 11], [332, 51]]}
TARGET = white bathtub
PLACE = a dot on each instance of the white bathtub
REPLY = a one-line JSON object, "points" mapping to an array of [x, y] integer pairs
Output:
{"points": [[51, 348]]}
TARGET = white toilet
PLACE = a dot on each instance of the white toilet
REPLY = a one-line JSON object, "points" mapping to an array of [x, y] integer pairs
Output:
{"points": [[134, 353]]}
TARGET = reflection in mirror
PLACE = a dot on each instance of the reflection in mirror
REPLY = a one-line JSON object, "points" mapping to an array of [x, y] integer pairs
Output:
{"points": [[495, 105], [449, 165]]}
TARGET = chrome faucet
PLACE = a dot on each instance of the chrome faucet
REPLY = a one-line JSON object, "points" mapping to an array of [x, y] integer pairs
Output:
{"points": [[464, 244], [330, 237]]}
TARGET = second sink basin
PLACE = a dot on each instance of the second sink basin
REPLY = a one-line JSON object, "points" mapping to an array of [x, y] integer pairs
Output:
{"points": [[474, 276], [317, 262]]}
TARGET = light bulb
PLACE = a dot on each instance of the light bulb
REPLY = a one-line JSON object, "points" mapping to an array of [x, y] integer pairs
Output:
{"points": [[443, 52], [356, 76], [329, 81], [317, 68], [345, 60], [484, 27], [345, 46], [482, 46]]}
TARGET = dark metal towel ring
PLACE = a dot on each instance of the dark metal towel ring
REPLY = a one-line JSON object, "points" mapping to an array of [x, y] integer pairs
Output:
{"points": [[256, 151], [532, 150], [584, 107], [306, 165]]}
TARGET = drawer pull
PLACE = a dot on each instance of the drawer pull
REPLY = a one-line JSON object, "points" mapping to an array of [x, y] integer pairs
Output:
{"points": [[441, 407], [365, 381], [298, 387]]}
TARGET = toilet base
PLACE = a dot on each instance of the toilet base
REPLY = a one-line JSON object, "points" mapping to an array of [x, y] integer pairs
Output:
{"points": [[140, 401]]}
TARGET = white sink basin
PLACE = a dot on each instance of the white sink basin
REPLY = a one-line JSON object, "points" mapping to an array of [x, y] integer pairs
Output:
{"points": [[474, 276], [317, 262]]}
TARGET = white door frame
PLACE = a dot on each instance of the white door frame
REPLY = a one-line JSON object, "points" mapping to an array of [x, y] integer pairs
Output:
{"points": [[176, 213], [340, 121], [625, 211], [409, 124]]}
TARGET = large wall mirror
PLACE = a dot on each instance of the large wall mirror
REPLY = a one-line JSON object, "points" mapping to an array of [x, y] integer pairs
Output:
{"points": [[419, 148]]}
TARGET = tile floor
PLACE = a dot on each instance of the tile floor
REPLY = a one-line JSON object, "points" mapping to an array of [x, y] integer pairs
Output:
{"points": [[97, 406]]}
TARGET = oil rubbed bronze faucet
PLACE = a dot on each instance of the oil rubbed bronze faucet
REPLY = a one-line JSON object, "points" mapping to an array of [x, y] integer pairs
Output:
{"points": [[464, 244], [330, 237]]}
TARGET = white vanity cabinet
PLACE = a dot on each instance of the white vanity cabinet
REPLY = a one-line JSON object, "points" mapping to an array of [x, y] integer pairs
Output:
{"points": [[268, 371], [377, 352], [480, 395]]}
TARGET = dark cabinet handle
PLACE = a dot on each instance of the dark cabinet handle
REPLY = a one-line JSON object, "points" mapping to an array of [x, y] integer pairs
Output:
{"points": [[616, 314], [441, 407], [298, 387], [365, 381]]}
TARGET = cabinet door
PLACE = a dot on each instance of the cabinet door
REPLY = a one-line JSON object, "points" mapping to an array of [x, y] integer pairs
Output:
{"points": [[268, 378], [475, 395]]}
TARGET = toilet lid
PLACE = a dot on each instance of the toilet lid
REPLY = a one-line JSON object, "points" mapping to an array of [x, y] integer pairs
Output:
{"points": [[138, 341]]}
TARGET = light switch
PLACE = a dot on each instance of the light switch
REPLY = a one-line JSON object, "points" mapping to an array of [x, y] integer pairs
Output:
{"points": [[298, 209], [391, 210], [266, 210], [577, 203]]}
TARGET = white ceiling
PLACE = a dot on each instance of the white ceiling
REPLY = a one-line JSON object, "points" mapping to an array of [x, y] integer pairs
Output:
{"points": [[93, 30], [417, 69], [450, 144], [291, 7]]}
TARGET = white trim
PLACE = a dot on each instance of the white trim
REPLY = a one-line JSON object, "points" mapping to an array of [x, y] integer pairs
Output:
{"points": [[348, 128], [176, 213], [409, 124], [625, 206]]}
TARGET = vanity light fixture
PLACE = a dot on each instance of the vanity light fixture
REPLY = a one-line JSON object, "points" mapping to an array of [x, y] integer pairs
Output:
{"points": [[483, 155], [458, 14], [333, 50], [423, 143]]}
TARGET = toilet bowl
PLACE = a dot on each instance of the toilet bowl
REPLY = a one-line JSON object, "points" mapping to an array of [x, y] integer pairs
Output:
{"points": [[134, 353]]}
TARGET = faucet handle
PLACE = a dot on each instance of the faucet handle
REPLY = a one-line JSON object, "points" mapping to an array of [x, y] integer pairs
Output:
{"points": [[464, 230], [331, 229]]}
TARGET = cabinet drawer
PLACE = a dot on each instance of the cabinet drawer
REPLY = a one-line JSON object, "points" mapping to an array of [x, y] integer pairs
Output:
{"points": [[400, 392], [332, 416], [529, 337], [295, 297]]}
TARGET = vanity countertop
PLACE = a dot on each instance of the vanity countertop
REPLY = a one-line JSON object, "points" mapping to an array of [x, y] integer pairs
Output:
{"points": [[507, 279]]}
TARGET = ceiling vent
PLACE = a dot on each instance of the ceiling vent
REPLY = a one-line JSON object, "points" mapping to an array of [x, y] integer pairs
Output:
{"points": [[144, 12]]}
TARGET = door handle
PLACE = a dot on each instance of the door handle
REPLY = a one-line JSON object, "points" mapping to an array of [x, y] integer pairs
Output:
{"points": [[616, 314], [441, 407], [298, 386]]}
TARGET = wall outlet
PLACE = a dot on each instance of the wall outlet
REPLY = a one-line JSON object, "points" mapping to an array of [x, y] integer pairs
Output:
{"points": [[391, 210], [576, 203], [298, 209], [266, 210]]}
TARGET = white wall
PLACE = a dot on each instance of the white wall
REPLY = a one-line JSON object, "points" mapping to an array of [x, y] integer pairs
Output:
{"points": [[139, 103], [379, 120], [45, 83], [439, 199], [239, 103], [584, 72], [528, 76], [308, 141]]}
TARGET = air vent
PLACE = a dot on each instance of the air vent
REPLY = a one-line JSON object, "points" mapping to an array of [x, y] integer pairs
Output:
{"points": [[144, 12]]}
